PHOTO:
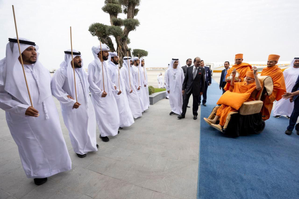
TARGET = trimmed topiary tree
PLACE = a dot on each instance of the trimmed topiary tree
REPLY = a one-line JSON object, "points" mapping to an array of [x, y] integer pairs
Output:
{"points": [[119, 28]]}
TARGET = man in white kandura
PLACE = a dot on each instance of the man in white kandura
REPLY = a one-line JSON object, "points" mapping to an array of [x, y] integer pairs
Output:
{"points": [[79, 117], [284, 106], [174, 78], [160, 81], [125, 113], [145, 94], [102, 95], [137, 80], [133, 98], [35, 129]]}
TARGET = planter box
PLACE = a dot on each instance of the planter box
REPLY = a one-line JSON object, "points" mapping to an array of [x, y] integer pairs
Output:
{"points": [[155, 97]]}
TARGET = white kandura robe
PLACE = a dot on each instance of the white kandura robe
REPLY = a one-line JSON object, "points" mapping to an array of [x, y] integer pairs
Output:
{"points": [[125, 113], [137, 81], [80, 122], [145, 93], [160, 82], [133, 97], [284, 106], [41, 145], [106, 110], [174, 79]]}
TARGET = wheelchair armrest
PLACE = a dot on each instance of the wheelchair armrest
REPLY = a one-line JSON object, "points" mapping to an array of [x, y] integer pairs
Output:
{"points": [[250, 108]]}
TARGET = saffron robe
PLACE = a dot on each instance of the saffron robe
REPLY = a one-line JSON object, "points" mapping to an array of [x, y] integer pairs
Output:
{"points": [[279, 89], [239, 87], [242, 69]]}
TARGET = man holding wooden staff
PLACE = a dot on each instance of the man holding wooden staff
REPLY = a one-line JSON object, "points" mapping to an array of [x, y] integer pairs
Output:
{"points": [[125, 113], [138, 80], [102, 95], [133, 98], [79, 117], [145, 96], [36, 129]]}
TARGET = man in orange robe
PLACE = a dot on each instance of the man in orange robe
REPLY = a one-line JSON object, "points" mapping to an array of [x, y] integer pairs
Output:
{"points": [[279, 87], [249, 86], [241, 67]]}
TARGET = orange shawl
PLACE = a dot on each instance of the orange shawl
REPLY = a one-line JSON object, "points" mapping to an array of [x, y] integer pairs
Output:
{"points": [[239, 87], [279, 89], [241, 69], [278, 80]]}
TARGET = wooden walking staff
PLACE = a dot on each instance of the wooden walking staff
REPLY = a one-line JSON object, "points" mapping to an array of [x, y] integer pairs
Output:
{"points": [[129, 71], [73, 62], [118, 72], [101, 59], [139, 72], [21, 59]]}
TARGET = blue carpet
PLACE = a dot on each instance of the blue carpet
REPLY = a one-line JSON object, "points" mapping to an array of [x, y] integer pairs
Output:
{"points": [[254, 166]]}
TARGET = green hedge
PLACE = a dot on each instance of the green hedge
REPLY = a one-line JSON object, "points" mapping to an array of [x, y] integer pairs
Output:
{"points": [[152, 90]]}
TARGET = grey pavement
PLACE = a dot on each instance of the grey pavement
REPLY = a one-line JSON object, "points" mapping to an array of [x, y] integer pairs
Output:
{"points": [[157, 157]]}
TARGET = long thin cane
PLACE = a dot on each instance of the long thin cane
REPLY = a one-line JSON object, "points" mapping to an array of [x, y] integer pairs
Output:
{"points": [[139, 73], [14, 16], [73, 62], [129, 71], [118, 72], [101, 57]]}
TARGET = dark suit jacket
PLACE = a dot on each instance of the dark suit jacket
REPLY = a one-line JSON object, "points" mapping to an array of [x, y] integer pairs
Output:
{"points": [[196, 85], [208, 77], [295, 88], [185, 69], [222, 74]]}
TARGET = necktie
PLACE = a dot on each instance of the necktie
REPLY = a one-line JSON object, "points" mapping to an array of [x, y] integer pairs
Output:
{"points": [[194, 73]]}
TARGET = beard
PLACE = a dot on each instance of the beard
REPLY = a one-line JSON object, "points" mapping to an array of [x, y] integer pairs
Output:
{"points": [[77, 65], [296, 65], [115, 62], [31, 62], [105, 58]]}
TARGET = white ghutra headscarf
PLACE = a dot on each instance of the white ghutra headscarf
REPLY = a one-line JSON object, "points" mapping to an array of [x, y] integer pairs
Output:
{"points": [[11, 73], [67, 69]]}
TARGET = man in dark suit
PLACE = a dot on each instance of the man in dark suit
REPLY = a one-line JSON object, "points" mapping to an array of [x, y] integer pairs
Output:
{"points": [[208, 80], [223, 75], [294, 97], [194, 83], [188, 64]]}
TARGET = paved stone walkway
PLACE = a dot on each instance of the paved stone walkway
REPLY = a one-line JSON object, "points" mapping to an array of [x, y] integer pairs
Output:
{"points": [[156, 158]]}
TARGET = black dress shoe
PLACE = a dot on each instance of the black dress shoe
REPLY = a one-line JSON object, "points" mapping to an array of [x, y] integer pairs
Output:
{"points": [[188, 106], [81, 156], [181, 117], [104, 139], [195, 117], [40, 181], [120, 128], [288, 132], [204, 104], [97, 146], [118, 132], [277, 116], [171, 113]]}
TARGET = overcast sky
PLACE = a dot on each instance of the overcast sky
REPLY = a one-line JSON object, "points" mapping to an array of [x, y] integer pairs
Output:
{"points": [[214, 30]]}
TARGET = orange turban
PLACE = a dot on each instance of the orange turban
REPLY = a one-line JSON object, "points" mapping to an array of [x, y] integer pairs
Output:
{"points": [[250, 74], [239, 56], [273, 57]]}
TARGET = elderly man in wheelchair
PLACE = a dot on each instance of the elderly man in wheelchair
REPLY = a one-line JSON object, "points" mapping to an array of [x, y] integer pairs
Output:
{"points": [[240, 110]]}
